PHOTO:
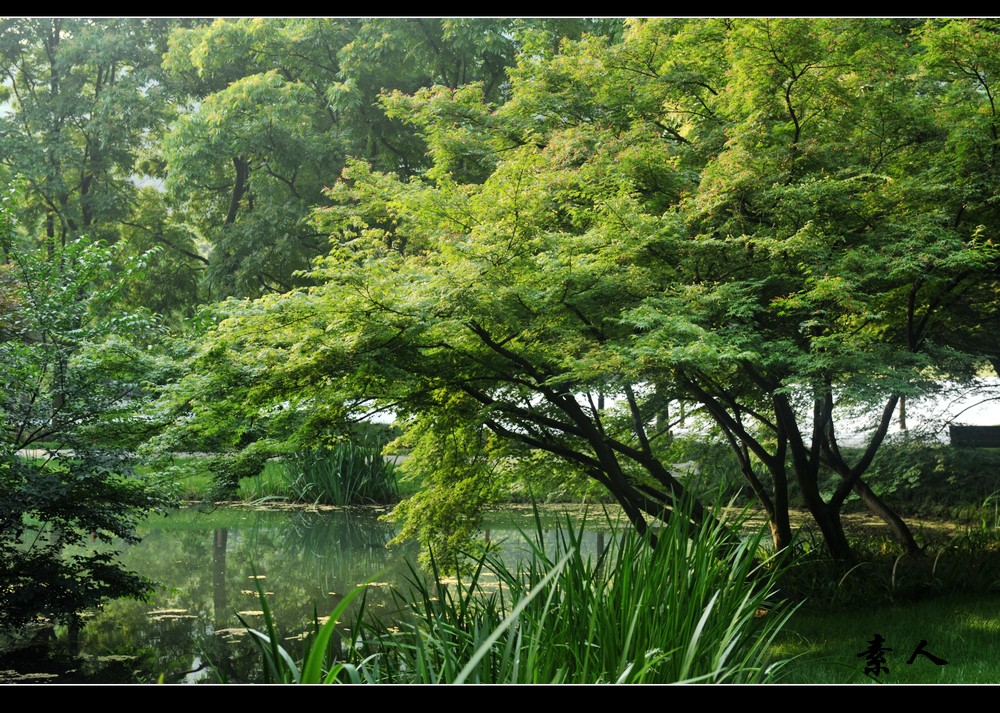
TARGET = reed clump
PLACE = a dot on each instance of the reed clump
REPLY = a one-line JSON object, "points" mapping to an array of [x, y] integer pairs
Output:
{"points": [[699, 607]]}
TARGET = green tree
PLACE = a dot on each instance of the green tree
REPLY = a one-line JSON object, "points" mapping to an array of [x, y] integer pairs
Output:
{"points": [[754, 216], [462, 306], [85, 104], [73, 370], [961, 63], [830, 253], [281, 103]]}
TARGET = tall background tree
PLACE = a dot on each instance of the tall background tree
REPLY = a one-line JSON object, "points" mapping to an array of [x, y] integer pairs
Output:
{"points": [[279, 105], [86, 103]]}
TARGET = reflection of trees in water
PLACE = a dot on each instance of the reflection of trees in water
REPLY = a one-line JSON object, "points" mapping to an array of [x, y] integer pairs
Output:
{"points": [[333, 552], [124, 643], [118, 642], [329, 551], [308, 561], [310, 537], [220, 595]]}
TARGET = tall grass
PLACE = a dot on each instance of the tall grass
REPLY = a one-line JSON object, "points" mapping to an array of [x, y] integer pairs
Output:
{"points": [[694, 609], [349, 473], [319, 663]]}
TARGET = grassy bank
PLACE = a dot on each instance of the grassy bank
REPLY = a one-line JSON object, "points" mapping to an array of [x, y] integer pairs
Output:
{"points": [[824, 645]]}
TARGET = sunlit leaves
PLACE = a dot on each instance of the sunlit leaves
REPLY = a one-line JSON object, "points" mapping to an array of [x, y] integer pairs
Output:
{"points": [[753, 211], [282, 105]]}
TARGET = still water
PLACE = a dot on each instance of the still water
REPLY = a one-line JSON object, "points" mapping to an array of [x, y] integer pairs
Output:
{"points": [[208, 565]]}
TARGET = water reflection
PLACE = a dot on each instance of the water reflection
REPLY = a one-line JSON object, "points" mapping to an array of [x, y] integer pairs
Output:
{"points": [[209, 565]]}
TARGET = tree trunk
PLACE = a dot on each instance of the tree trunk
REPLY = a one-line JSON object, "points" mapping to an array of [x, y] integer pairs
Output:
{"points": [[242, 167], [899, 528], [832, 526], [781, 529], [826, 516]]}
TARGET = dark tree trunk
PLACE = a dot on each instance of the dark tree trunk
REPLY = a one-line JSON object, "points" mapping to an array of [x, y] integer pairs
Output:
{"points": [[239, 188], [781, 530], [832, 526], [900, 530]]}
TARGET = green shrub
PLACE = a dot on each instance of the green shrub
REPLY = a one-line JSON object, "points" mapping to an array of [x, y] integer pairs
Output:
{"points": [[967, 562], [914, 476], [346, 473], [917, 476], [60, 518], [230, 469]]}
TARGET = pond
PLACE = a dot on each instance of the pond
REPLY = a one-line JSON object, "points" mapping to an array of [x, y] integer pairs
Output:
{"points": [[208, 565]]}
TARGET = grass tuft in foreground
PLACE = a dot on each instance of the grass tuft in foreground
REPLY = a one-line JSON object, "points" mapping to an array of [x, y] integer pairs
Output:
{"points": [[698, 608]]}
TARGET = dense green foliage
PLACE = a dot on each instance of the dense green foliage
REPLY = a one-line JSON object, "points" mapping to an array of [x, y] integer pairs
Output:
{"points": [[83, 97], [537, 243], [86, 101], [933, 478], [72, 370], [756, 217], [283, 103]]}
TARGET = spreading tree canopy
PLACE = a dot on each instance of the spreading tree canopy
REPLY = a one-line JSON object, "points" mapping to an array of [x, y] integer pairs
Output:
{"points": [[780, 221], [277, 107]]}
